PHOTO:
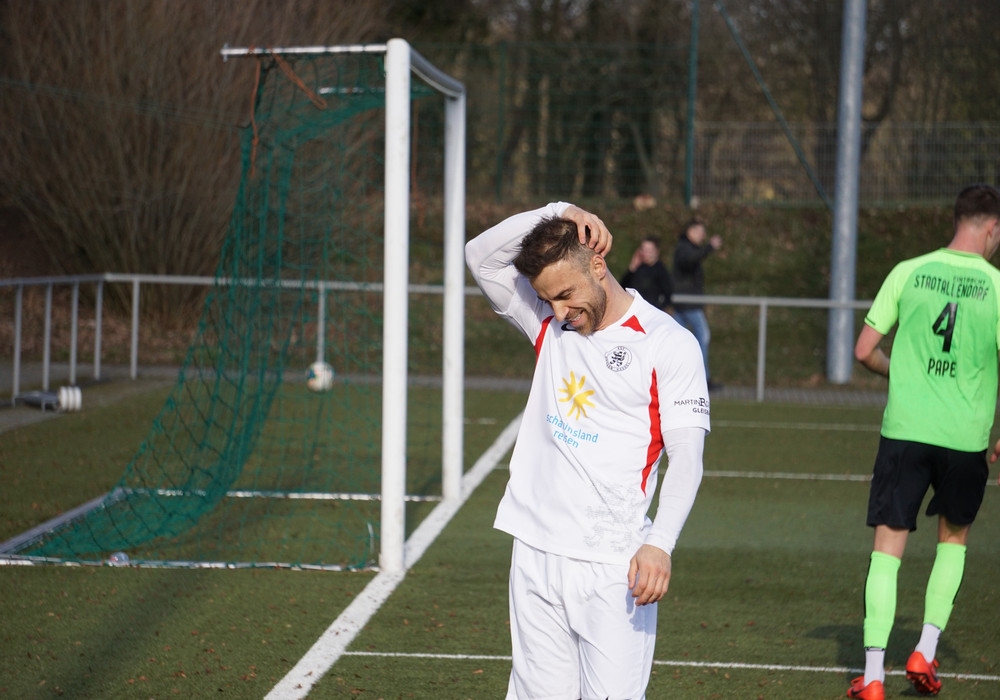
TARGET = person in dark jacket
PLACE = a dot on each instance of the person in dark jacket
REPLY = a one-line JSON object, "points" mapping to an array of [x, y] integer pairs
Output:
{"points": [[648, 275], [693, 246]]}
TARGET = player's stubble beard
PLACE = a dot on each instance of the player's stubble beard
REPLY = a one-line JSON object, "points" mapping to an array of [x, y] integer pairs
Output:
{"points": [[594, 312]]}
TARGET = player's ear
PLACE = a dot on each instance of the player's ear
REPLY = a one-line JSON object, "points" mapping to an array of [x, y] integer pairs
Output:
{"points": [[598, 266], [992, 239]]}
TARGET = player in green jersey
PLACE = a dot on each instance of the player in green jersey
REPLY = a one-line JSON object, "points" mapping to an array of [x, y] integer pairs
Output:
{"points": [[936, 426]]}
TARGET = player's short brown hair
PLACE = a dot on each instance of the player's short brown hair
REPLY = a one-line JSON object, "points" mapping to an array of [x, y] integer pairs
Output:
{"points": [[551, 240]]}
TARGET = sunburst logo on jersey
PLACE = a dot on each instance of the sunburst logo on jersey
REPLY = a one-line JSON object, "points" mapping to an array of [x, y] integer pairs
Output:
{"points": [[575, 393]]}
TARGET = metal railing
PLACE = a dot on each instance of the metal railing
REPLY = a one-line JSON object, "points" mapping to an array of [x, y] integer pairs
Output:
{"points": [[762, 304], [74, 282]]}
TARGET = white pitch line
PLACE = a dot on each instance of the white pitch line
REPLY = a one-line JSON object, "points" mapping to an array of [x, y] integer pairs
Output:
{"points": [[687, 664], [733, 474], [444, 657], [333, 643], [851, 427], [792, 476]]}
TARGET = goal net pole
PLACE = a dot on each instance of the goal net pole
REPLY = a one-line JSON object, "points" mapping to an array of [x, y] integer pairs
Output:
{"points": [[395, 329], [400, 60], [454, 297]]}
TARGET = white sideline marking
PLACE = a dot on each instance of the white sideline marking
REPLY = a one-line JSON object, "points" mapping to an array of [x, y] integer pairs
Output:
{"points": [[852, 427], [687, 664], [333, 643], [792, 476], [725, 474]]}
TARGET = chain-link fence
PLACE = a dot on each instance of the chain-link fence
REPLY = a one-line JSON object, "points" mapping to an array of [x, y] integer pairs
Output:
{"points": [[901, 163], [611, 121]]}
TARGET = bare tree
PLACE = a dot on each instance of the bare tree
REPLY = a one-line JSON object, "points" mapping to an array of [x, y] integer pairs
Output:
{"points": [[122, 122], [592, 83], [797, 46]]}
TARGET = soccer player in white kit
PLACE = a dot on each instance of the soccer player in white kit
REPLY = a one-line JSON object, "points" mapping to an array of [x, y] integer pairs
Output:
{"points": [[617, 383]]}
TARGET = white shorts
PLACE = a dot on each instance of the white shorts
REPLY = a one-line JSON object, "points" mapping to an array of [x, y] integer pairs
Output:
{"points": [[576, 631]]}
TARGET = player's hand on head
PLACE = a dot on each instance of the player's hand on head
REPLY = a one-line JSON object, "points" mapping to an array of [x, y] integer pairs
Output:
{"points": [[649, 574], [592, 231]]}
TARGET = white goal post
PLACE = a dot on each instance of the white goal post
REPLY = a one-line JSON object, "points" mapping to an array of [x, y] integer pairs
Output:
{"points": [[401, 60]]}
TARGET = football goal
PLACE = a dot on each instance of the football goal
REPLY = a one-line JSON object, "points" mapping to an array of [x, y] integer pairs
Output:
{"points": [[250, 463]]}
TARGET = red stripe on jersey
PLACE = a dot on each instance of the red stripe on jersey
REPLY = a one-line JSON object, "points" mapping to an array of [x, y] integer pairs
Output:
{"points": [[655, 434], [634, 324], [541, 336]]}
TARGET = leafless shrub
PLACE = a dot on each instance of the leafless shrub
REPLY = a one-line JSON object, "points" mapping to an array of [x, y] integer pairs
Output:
{"points": [[122, 122]]}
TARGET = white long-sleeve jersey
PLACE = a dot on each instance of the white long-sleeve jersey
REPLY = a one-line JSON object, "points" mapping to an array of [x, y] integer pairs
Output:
{"points": [[601, 411]]}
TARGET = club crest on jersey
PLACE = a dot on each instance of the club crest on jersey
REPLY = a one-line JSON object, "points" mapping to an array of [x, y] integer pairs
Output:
{"points": [[618, 359]]}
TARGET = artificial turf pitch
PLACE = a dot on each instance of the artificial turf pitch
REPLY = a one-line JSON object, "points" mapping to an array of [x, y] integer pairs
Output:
{"points": [[766, 597]]}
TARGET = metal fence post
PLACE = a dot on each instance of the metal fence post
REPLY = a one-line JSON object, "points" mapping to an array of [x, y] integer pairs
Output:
{"points": [[761, 348], [98, 314], [74, 317], [692, 98], [134, 352], [47, 342], [18, 302], [321, 323]]}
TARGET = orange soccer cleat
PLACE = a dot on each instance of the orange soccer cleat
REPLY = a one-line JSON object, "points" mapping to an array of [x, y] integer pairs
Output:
{"points": [[873, 691], [923, 675]]}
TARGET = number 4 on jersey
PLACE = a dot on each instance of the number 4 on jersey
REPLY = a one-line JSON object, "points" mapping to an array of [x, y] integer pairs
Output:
{"points": [[944, 326]]}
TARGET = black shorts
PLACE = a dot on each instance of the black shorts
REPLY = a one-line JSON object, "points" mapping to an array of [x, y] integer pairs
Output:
{"points": [[903, 472]]}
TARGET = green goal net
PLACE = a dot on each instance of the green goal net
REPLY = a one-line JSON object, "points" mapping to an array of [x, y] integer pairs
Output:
{"points": [[256, 458]]}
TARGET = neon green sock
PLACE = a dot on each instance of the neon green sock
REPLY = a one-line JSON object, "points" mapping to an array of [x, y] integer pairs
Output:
{"points": [[943, 584], [880, 599]]}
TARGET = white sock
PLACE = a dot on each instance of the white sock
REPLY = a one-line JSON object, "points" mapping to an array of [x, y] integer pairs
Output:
{"points": [[874, 664], [928, 641]]}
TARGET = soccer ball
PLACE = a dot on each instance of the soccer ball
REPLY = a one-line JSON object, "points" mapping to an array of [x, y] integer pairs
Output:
{"points": [[319, 377]]}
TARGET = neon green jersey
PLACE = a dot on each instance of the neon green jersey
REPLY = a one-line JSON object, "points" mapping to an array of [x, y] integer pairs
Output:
{"points": [[943, 366]]}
